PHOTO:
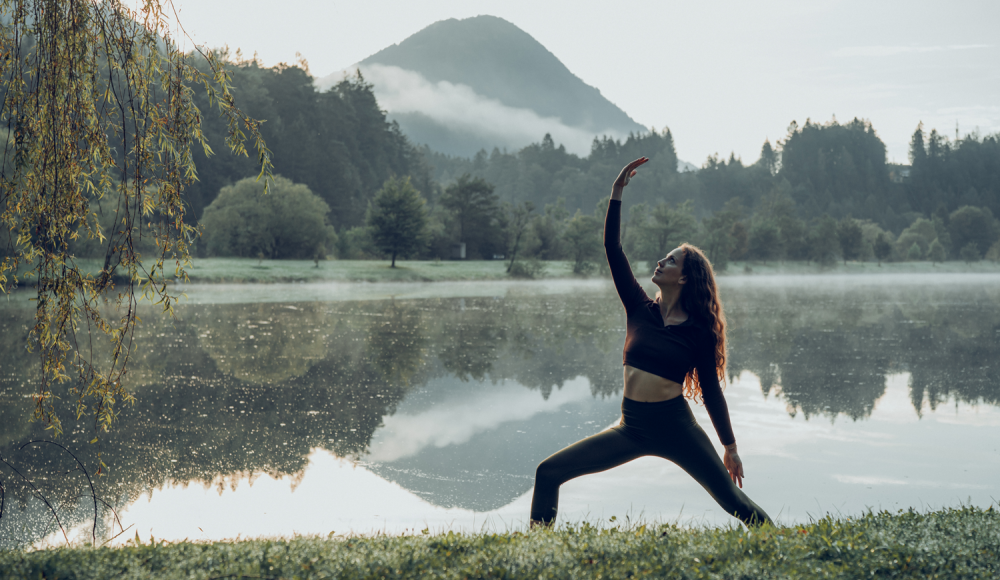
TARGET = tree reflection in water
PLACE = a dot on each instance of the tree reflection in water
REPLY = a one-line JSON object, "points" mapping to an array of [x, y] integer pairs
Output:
{"points": [[227, 391]]}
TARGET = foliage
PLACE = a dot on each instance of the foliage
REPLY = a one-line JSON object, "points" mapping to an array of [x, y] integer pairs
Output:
{"points": [[476, 214], [397, 219], [722, 240], [287, 222], [817, 169], [973, 225], [851, 238], [935, 252], [518, 220], [921, 232], [993, 254], [661, 230], [337, 142], [950, 174], [100, 114], [583, 238], [970, 253], [882, 247], [764, 243], [529, 268], [823, 241], [950, 543], [914, 254]]}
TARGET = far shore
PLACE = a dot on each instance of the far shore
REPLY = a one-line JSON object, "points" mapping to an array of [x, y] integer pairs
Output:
{"points": [[253, 271], [245, 270]]}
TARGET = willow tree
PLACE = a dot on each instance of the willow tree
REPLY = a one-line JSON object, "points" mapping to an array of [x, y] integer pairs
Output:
{"points": [[97, 116]]}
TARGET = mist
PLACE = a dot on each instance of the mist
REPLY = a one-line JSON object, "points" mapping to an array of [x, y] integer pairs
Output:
{"points": [[459, 109]]}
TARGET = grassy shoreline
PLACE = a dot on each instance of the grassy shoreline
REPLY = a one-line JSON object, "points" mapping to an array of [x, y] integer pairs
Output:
{"points": [[949, 543], [252, 271]]}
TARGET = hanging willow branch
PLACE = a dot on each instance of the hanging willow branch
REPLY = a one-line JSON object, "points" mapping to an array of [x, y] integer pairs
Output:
{"points": [[97, 116]]}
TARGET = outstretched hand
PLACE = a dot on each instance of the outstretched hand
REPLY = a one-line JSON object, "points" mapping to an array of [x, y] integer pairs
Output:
{"points": [[734, 465], [628, 173]]}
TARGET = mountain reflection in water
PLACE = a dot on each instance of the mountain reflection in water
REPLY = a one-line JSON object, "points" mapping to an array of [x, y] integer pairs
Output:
{"points": [[458, 399]]}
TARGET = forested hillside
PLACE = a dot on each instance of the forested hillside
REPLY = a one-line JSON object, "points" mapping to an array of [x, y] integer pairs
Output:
{"points": [[337, 142], [823, 192]]}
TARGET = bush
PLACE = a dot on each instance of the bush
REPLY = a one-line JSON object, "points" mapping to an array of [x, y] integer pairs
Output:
{"points": [[582, 238], [973, 225], [936, 253], [970, 252], [356, 244], [527, 268], [993, 254], [289, 222]]}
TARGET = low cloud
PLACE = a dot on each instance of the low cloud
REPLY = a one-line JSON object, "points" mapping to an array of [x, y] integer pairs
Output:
{"points": [[459, 108], [870, 51]]}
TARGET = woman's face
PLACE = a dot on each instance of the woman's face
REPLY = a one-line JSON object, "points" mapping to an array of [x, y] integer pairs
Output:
{"points": [[668, 270]]}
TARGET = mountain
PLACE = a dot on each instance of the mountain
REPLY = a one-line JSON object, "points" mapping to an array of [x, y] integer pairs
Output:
{"points": [[464, 85]]}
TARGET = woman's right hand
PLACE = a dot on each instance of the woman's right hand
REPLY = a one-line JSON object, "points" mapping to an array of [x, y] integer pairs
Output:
{"points": [[627, 173]]}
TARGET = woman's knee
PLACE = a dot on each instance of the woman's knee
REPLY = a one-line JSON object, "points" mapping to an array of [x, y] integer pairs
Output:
{"points": [[549, 471]]}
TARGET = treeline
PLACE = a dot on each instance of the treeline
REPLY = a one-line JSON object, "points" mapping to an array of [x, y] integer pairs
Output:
{"points": [[823, 193]]}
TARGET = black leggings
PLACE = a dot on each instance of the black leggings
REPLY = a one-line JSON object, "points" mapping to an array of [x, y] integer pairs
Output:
{"points": [[665, 429]]}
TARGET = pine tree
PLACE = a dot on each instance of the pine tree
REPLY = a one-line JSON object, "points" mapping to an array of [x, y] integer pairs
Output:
{"points": [[918, 152], [769, 157]]}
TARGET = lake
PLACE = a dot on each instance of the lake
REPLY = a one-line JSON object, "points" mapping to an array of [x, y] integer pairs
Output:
{"points": [[268, 410]]}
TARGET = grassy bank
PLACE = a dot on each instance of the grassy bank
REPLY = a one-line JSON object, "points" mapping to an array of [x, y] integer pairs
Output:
{"points": [[248, 270], [963, 543]]}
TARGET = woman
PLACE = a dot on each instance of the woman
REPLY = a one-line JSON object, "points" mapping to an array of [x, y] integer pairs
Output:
{"points": [[674, 349]]}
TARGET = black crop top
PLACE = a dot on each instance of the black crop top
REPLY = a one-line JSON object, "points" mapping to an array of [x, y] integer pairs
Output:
{"points": [[666, 351]]}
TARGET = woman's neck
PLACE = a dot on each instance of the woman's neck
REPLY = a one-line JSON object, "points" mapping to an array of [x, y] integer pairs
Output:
{"points": [[670, 302]]}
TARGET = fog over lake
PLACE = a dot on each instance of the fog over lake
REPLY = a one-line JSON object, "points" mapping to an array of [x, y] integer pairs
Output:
{"points": [[301, 408]]}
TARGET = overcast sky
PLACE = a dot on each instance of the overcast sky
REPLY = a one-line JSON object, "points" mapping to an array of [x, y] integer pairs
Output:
{"points": [[722, 75]]}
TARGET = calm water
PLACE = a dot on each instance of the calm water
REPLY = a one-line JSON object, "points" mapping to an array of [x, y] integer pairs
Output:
{"points": [[273, 410]]}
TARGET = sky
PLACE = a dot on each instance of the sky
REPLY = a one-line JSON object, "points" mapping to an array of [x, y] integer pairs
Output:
{"points": [[723, 76]]}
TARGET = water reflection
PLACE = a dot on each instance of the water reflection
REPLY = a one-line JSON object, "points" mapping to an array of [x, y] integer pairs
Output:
{"points": [[457, 399]]}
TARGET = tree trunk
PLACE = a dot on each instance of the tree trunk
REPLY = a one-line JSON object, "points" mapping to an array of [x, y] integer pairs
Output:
{"points": [[393, 260]]}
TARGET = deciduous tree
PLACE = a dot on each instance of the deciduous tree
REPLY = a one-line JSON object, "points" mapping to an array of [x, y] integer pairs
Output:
{"points": [[289, 222], [398, 219]]}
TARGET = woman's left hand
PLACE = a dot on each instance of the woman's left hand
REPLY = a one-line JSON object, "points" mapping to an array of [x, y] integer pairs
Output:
{"points": [[734, 464]]}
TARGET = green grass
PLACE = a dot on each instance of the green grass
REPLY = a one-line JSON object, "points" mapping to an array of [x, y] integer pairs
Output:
{"points": [[952, 543], [250, 270], [850, 268]]}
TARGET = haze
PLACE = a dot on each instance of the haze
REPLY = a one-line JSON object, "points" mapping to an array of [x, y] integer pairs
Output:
{"points": [[722, 75]]}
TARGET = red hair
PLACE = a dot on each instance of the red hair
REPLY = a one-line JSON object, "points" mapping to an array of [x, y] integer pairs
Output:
{"points": [[700, 298]]}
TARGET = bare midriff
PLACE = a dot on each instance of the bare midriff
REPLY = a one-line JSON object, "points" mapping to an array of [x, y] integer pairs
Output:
{"points": [[649, 388]]}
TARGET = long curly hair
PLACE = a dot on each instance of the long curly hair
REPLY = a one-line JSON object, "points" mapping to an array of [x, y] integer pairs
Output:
{"points": [[700, 298]]}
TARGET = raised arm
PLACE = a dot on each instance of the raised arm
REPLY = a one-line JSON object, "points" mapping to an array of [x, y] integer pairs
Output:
{"points": [[629, 290]]}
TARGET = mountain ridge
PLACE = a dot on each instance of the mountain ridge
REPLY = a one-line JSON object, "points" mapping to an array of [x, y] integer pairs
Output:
{"points": [[482, 82]]}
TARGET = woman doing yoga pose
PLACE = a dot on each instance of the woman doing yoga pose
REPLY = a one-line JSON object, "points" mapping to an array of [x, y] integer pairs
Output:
{"points": [[674, 349]]}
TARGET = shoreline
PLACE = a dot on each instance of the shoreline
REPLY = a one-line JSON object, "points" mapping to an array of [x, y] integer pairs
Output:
{"points": [[252, 271]]}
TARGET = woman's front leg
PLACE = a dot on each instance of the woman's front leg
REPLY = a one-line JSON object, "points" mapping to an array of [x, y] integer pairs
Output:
{"points": [[594, 454]]}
